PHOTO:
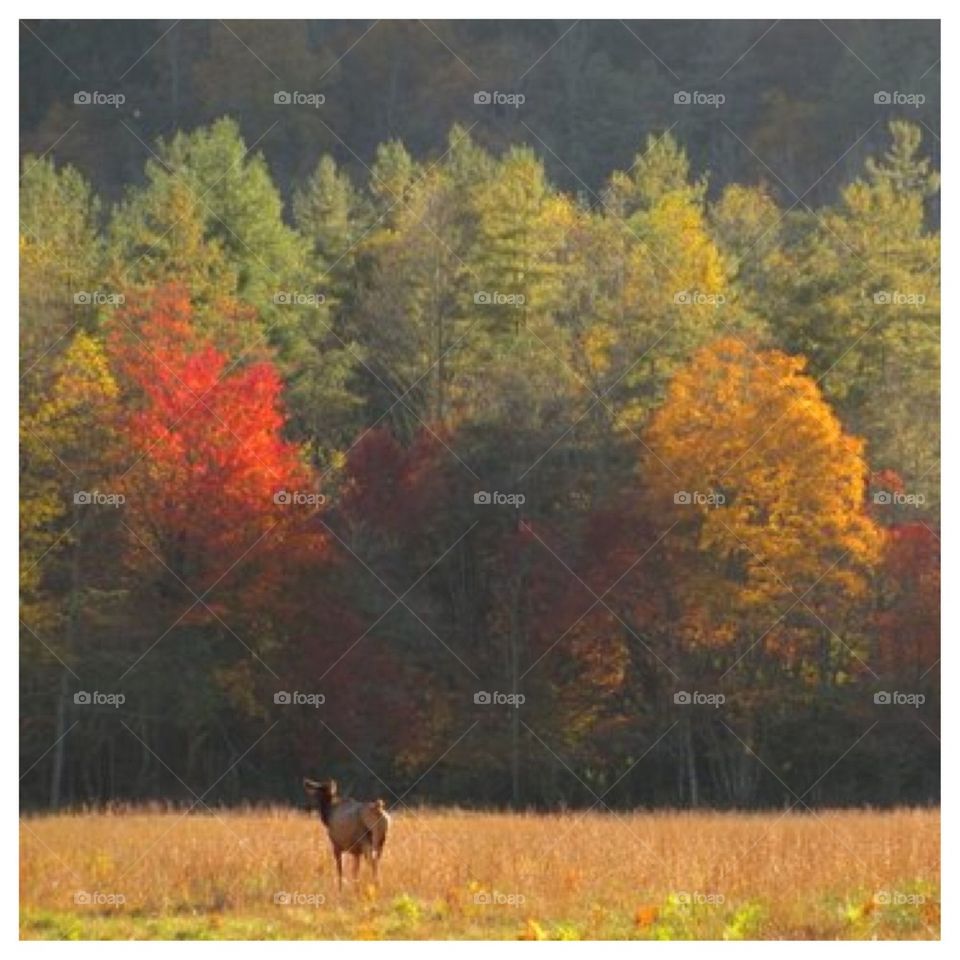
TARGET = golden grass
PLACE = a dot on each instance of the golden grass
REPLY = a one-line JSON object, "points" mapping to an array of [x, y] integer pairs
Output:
{"points": [[454, 874]]}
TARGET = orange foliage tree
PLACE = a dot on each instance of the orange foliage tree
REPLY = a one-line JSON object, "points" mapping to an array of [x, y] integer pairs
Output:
{"points": [[767, 493], [210, 471]]}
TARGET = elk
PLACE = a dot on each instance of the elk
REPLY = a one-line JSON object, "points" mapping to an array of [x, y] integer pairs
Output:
{"points": [[356, 827]]}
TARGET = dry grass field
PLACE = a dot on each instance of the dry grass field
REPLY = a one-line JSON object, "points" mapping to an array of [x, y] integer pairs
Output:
{"points": [[462, 875]]}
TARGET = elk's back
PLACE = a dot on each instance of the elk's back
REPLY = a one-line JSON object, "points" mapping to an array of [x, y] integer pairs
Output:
{"points": [[356, 826]]}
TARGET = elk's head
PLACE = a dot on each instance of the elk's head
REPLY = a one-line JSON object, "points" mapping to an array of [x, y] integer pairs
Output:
{"points": [[321, 795]]}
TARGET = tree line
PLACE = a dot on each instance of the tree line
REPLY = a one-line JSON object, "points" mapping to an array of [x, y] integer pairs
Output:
{"points": [[798, 108], [465, 487]]}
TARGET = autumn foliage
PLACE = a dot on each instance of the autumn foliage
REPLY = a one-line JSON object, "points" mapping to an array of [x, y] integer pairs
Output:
{"points": [[209, 433], [767, 492], [493, 475]]}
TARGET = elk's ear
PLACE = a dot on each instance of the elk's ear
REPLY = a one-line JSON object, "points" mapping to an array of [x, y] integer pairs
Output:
{"points": [[332, 787], [310, 786]]}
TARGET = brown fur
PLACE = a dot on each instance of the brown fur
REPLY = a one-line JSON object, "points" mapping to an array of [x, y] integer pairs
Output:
{"points": [[356, 827]]}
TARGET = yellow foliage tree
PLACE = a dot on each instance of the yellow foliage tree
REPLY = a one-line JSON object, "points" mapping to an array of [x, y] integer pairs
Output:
{"points": [[63, 437], [650, 278], [767, 493]]}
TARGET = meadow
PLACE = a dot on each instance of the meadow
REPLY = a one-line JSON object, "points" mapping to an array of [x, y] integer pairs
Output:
{"points": [[454, 874]]}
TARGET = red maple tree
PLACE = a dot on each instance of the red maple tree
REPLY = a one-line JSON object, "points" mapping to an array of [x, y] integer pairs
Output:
{"points": [[211, 476]]}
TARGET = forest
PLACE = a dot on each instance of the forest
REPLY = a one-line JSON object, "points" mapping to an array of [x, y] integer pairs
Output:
{"points": [[430, 462]]}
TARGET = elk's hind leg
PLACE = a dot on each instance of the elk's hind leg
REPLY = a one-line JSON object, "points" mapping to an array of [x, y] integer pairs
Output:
{"points": [[370, 855]]}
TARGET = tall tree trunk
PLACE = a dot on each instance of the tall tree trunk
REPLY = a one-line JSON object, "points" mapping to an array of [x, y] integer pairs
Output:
{"points": [[693, 784], [515, 711], [516, 625], [73, 606], [56, 775]]}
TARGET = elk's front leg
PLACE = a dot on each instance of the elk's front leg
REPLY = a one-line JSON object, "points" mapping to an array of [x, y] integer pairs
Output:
{"points": [[338, 856]]}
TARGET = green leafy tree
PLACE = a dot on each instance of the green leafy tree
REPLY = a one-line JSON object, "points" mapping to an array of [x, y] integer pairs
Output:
{"points": [[858, 294]]}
